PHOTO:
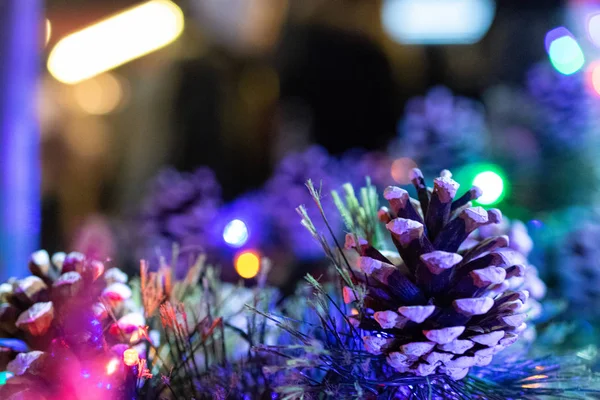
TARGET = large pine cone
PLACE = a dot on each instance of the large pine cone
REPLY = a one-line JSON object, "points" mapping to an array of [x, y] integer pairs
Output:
{"points": [[438, 310]]}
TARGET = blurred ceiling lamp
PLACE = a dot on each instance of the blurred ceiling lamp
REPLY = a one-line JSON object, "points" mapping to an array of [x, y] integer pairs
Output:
{"points": [[593, 28], [563, 50], [437, 21], [115, 41], [242, 25], [99, 95]]}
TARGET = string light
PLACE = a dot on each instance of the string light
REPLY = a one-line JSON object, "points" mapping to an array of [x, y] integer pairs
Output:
{"points": [[564, 52], [247, 264], [593, 73], [236, 233], [115, 41], [131, 357], [112, 365], [593, 28], [4, 376], [491, 185], [400, 170]]}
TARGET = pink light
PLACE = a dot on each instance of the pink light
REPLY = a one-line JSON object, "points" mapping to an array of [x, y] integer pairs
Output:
{"points": [[593, 74]]}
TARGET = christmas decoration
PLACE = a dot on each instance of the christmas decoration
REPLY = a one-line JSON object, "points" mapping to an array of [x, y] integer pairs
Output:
{"points": [[441, 130], [566, 113], [178, 209], [422, 323]]}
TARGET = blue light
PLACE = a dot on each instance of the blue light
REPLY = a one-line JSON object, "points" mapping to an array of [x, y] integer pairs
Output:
{"points": [[564, 52], [85, 374], [19, 135], [437, 21], [236, 233]]}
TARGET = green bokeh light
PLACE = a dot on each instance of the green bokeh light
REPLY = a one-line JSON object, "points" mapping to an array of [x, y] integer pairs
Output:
{"points": [[490, 178]]}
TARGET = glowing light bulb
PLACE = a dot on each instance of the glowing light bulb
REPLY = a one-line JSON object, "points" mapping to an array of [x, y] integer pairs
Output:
{"points": [[115, 41], [4, 376], [593, 28], [247, 264], [99, 95], [131, 357], [564, 52], [593, 73], [400, 170], [112, 366], [491, 185], [236, 233], [437, 21]]}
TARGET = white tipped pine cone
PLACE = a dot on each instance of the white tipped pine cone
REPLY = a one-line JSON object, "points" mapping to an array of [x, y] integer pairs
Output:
{"points": [[441, 310]]}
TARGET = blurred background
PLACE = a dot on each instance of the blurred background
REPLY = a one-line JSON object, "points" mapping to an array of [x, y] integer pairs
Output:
{"points": [[196, 121]]}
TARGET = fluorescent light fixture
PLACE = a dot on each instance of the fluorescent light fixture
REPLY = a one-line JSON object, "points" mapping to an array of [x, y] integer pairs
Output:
{"points": [[437, 21], [115, 41]]}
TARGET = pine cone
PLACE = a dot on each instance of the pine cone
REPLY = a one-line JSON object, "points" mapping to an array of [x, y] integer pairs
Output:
{"points": [[577, 267], [287, 188], [56, 302], [179, 209], [565, 111], [441, 130], [520, 245], [440, 310]]}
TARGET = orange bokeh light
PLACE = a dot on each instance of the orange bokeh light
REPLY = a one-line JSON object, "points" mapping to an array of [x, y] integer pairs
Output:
{"points": [[401, 168], [131, 357], [247, 264]]}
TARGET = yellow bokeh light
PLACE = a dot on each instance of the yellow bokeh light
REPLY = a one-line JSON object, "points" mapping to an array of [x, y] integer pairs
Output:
{"points": [[99, 95], [247, 264], [115, 41], [131, 357]]}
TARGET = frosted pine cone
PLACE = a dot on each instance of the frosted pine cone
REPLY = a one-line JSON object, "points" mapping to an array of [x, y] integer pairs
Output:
{"points": [[566, 111], [179, 209], [59, 300], [441, 130], [439, 310], [577, 266], [287, 188], [520, 245]]}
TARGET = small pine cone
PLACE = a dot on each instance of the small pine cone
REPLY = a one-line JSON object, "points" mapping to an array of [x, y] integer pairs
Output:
{"points": [[576, 264], [58, 299], [441, 130], [179, 208], [441, 310]]}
